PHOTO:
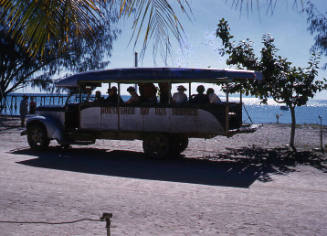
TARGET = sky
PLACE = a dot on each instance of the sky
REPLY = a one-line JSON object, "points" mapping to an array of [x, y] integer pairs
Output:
{"points": [[287, 25]]}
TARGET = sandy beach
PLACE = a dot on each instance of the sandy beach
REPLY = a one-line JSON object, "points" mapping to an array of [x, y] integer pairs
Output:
{"points": [[250, 184]]}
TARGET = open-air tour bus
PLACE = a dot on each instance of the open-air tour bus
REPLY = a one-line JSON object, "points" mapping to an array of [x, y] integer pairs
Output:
{"points": [[164, 126]]}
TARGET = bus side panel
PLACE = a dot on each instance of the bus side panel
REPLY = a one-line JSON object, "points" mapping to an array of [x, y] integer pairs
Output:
{"points": [[235, 121], [109, 118], [90, 118], [130, 119], [184, 120], [146, 119], [156, 119], [169, 120], [192, 120]]}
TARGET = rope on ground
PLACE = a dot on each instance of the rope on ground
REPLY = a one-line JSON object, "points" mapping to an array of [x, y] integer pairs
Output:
{"points": [[46, 222], [105, 217]]}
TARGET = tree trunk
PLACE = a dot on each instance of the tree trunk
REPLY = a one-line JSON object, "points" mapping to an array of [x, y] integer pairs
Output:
{"points": [[292, 109], [2, 100], [3, 96]]}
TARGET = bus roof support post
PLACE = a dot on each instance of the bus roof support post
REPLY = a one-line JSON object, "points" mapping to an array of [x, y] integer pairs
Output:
{"points": [[227, 112], [118, 106], [136, 65]]}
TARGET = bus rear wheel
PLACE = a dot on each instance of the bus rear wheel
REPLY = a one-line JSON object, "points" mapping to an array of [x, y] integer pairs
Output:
{"points": [[157, 146], [178, 144]]}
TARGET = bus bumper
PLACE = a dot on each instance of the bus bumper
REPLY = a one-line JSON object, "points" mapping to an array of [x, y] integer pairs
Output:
{"points": [[244, 129]]}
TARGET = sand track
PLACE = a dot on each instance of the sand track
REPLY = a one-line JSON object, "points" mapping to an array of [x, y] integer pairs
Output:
{"points": [[248, 184]]}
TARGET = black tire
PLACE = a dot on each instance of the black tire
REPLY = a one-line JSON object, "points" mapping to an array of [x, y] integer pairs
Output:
{"points": [[157, 146], [178, 144], [37, 137]]}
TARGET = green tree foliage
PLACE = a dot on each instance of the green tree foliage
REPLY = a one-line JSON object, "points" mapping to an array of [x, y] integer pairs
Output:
{"points": [[318, 27], [283, 82], [74, 35], [35, 23], [317, 20], [18, 68]]}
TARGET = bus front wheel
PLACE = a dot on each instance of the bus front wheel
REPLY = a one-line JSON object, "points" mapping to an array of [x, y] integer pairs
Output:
{"points": [[37, 137]]}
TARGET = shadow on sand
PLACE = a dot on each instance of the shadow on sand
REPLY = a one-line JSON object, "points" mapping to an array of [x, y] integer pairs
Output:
{"points": [[235, 168], [273, 160], [8, 123]]}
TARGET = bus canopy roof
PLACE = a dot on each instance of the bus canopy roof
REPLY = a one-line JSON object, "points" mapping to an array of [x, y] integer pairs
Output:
{"points": [[157, 75]]}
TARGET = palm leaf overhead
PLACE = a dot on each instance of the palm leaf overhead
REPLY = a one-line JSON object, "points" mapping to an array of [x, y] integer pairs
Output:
{"points": [[269, 5], [34, 23], [156, 20]]}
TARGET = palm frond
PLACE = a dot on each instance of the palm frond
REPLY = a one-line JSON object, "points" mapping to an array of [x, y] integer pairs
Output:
{"points": [[156, 20], [269, 5], [34, 23]]}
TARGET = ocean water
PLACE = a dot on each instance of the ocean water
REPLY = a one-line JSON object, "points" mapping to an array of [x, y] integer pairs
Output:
{"points": [[267, 114], [252, 109]]}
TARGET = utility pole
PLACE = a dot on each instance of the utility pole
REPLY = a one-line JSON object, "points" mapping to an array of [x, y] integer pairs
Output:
{"points": [[135, 64], [321, 135], [135, 59]]}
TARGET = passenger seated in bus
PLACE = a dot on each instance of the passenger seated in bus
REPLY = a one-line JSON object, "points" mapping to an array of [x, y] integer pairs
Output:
{"points": [[113, 96], [98, 97], [200, 98], [213, 98], [135, 98], [148, 93], [180, 97], [165, 93], [87, 99]]}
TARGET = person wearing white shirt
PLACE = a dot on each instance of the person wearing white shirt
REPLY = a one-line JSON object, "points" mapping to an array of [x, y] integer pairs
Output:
{"points": [[213, 98], [180, 97]]}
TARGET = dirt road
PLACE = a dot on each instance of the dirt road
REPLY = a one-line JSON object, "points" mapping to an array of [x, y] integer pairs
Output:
{"points": [[251, 189]]}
